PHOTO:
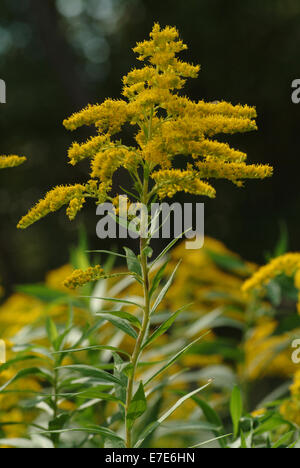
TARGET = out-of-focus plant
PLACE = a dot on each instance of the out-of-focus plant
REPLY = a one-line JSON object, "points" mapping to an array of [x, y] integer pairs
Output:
{"points": [[226, 354], [290, 408], [11, 161], [264, 428], [8, 162]]}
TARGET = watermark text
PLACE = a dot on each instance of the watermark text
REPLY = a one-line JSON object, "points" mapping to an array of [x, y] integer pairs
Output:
{"points": [[161, 220], [2, 92]]}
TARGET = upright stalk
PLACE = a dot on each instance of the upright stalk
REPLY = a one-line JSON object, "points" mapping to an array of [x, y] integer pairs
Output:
{"points": [[55, 437], [146, 317]]}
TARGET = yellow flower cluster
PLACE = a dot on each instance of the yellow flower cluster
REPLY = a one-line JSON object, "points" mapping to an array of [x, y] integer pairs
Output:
{"points": [[105, 163], [172, 181], [212, 168], [11, 161], [75, 205], [165, 124], [54, 200], [290, 409], [108, 116], [288, 264], [81, 277], [79, 152], [204, 283], [215, 149]]}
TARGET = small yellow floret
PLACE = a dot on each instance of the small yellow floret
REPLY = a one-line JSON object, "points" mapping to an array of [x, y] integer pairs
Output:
{"points": [[81, 277]]}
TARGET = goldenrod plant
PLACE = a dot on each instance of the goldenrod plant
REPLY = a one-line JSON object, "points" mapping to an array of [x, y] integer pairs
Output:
{"points": [[11, 161], [8, 162], [288, 264], [165, 125]]}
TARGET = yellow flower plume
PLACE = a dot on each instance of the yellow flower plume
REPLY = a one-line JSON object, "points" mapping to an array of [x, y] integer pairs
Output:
{"points": [[165, 125], [11, 161], [288, 264], [81, 277]]}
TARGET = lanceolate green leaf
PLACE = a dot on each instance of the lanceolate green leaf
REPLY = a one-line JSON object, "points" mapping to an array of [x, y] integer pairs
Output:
{"points": [[88, 331], [12, 362], [120, 390], [164, 290], [133, 263], [91, 429], [157, 278], [94, 348], [211, 416], [236, 409], [174, 359], [168, 413], [284, 440], [137, 407], [51, 332], [107, 252], [210, 441], [22, 373], [93, 372], [243, 441], [123, 315], [270, 424], [113, 299], [121, 324], [96, 393], [163, 328], [169, 246]]}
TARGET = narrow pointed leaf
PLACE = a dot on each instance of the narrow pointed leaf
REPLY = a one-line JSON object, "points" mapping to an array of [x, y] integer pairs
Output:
{"points": [[113, 299], [92, 429], [52, 332], [121, 324], [98, 394], [236, 409], [133, 263], [123, 315], [107, 252], [157, 278], [169, 246], [93, 372], [210, 441], [94, 348], [137, 406], [174, 358], [164, 290], [22, 373], [168, 413], [163, 328]]}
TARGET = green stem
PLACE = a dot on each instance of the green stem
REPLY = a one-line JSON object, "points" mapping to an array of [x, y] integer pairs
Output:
{"points": [[55, 437], [145, 325], [55, 396]]}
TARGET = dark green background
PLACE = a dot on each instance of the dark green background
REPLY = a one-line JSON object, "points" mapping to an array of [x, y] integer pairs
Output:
{"points": [[54, 64]]}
